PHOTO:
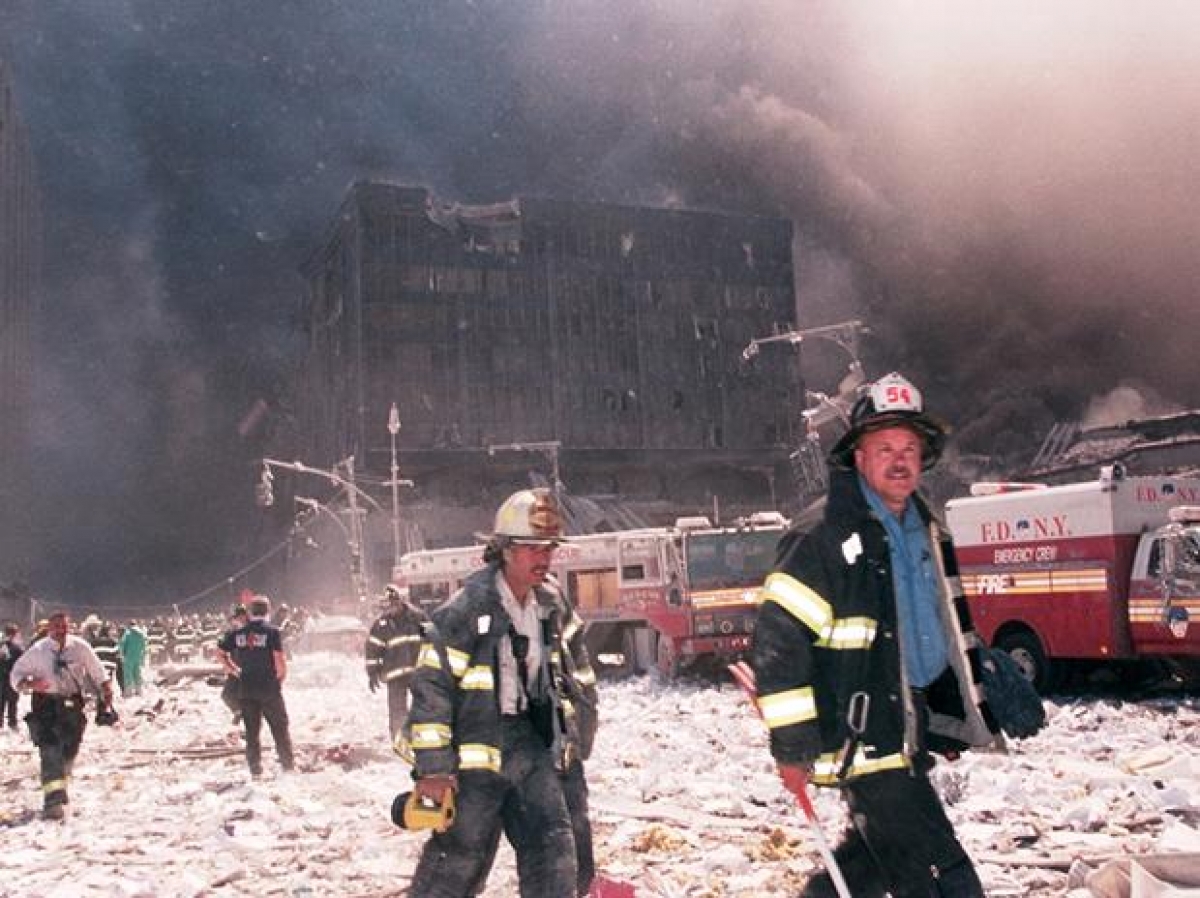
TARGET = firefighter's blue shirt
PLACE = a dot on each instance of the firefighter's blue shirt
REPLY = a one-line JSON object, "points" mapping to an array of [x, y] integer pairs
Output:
{"points": [[922, 639]]}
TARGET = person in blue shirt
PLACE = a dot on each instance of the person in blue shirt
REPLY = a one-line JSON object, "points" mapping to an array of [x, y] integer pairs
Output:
{"points": [[253, 654], [866, 660]]}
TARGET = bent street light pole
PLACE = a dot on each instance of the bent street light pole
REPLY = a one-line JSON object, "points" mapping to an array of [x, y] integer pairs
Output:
{"points": [[358, 563], [393, 427]]}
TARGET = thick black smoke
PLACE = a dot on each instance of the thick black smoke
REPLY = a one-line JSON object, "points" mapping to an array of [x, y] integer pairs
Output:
{"points": [[1004, 195]]}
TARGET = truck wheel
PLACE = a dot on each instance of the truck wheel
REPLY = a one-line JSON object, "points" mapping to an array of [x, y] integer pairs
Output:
{"points": [[1026, 649], [668, 661]]}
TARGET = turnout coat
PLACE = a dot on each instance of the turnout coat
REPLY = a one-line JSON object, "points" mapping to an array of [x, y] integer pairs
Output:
{"points": [[454, 721], [827, 634]]}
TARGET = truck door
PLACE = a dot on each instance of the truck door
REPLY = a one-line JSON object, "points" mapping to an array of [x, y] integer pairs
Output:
{"points": [[1164, 607]]}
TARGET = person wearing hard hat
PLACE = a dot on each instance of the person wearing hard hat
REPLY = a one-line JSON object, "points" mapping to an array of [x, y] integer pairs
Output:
{"points": [[865, 657], [391, 652], [502, 701]]}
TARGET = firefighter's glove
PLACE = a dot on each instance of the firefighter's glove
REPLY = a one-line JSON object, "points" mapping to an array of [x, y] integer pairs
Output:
{"points": [[372, 680], [106, 716], [434, 788], [795, 778]]}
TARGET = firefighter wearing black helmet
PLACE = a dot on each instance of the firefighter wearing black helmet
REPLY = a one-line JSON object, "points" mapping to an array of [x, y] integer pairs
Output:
{"points": [[494, 707], [866, 660], [391, 652]]}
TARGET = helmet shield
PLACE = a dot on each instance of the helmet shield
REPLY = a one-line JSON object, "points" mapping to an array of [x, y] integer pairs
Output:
{"points": [[529, 517], [891, 401]]}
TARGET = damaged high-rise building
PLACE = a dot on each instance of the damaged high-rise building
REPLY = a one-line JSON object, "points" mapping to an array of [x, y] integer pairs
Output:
{"points": [[20, 223], [598, 342]]}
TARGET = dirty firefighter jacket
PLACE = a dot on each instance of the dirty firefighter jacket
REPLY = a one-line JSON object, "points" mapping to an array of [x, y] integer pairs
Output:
{"points": [[392, 645], [454, 723], [827, 629]]}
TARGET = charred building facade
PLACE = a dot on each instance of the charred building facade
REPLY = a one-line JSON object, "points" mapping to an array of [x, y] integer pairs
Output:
{"points": [[599, 344], [19, 252]]}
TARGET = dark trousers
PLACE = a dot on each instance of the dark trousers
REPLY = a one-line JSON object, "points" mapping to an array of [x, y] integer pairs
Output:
{"points": [[8, 704], [901, 843], [56, 726], [525, 802], [397, 705], [270, 706], [575, 791]]}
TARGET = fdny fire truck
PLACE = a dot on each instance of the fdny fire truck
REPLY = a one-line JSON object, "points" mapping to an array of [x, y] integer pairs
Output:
{"points": [[670, 597], [1102, 571]]}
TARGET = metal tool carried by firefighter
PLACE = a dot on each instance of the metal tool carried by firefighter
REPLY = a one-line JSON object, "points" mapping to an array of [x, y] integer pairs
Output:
{"points": [[743, 675]]}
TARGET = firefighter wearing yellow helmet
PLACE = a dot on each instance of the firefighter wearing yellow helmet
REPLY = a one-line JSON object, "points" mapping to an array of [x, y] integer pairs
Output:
{"points": [[503, 708]]}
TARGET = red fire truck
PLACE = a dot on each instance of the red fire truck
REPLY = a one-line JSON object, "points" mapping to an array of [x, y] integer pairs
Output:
{"points": [[666, 596], [1102, 571]]}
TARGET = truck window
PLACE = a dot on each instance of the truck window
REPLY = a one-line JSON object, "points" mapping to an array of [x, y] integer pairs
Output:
{"points": [[1189, 550], [429, 595], [730, 559], [1154, 565], [633, 572], [639, 562]]}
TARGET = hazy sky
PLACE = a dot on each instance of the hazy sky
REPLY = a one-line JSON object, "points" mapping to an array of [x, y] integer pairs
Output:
{"points": [[1003, 191]]}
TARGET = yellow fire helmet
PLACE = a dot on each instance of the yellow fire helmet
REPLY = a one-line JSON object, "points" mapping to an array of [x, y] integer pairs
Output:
{"points": [[530, 517]]}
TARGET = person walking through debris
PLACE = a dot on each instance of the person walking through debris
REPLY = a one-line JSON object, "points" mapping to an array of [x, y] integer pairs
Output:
{"points": [[104, 644], [238, 616], [391, 653], [864, 656], [491, 718], [582, 717], [10, 651], [132, 647], [253, 653], [60, 671]]}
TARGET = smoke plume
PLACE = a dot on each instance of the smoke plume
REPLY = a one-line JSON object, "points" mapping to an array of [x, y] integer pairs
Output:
{"points": [[1003, 192]]}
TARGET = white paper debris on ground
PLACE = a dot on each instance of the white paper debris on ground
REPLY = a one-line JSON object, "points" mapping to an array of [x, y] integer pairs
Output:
{"points": [[684, 793]]}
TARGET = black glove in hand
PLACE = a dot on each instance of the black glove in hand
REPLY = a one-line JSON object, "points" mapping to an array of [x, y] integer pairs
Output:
{"points": [[373, 680], [106, 716]]}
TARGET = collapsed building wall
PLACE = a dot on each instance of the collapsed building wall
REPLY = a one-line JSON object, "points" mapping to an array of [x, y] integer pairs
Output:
{"points": [[611, 333]]}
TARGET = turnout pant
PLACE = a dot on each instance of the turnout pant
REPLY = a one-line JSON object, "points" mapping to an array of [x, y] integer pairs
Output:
{"points": [[270, 706], [525, 802], [575, 793], [9, 698], [397, 691], [901, 843], [56, 725]]}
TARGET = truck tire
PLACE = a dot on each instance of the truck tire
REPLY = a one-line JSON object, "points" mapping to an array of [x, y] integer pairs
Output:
{"points": [[668, 661], [1026, 649]]}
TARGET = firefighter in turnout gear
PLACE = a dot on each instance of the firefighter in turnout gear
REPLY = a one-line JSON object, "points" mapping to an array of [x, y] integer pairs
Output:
{"points": [[60, 671], [866, 660], [391, 653], [104, 644], [491, 717], [156, 642]]}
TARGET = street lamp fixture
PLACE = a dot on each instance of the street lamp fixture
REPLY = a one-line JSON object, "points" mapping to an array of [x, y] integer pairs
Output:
{"points": [[393, 427]]}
